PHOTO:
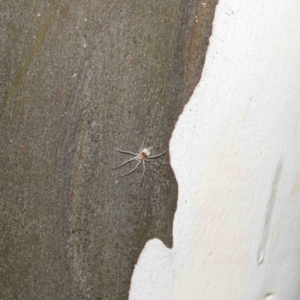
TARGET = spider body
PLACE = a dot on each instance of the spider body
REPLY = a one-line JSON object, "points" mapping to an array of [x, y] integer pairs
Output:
{"points": [[143, 155]]}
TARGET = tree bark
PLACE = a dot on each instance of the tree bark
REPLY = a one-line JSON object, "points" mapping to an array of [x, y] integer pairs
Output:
{"points": [[78, 79]]}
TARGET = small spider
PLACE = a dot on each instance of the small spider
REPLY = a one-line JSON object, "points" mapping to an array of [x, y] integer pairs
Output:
{"points": [[143, 155]]}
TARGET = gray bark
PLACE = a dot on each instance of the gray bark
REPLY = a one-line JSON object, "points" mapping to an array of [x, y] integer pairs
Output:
{"points": [[78, 79]]}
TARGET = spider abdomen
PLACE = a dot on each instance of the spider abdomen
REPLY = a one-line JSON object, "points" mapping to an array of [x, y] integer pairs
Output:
{"points": [[145, 153]]}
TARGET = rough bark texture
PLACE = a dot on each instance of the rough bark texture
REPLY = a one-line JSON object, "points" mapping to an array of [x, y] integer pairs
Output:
{"points": [[78, 79]]}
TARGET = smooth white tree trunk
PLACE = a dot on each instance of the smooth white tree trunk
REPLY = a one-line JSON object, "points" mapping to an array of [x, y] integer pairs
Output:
{"points": [[236, 155]]}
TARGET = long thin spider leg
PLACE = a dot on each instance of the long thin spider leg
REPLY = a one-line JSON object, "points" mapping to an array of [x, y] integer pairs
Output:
{"points": [[127, 152], [132, 169], [158, 155], [144, 169], [124, 163], [143, 143]]}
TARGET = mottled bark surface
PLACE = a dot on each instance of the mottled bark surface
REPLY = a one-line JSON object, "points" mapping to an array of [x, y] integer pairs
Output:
{"points": [[79, 78]]}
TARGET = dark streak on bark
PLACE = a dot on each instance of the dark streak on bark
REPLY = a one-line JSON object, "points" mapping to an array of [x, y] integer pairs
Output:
{"points": [[98, 75]]}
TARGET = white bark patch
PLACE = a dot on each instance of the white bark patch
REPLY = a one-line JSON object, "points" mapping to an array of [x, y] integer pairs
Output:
{"points": [[243, 118]]}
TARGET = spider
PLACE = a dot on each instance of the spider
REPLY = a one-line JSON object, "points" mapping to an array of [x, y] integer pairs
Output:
{"points": [[143, 155]]}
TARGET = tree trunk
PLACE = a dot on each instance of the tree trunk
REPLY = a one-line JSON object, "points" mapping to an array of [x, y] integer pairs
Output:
{"points": [[78, 79]]}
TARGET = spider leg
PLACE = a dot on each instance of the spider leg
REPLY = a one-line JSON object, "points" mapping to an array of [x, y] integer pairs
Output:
{"points": [[158, 155], [143, 143], [124, 163], [127, 152], [132, 169]]}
